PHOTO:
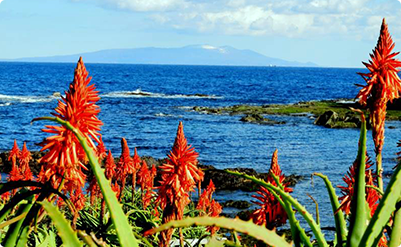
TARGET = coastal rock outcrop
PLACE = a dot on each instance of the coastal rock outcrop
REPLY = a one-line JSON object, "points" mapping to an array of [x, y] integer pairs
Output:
{"points": [[258, 119], [221, 179]]}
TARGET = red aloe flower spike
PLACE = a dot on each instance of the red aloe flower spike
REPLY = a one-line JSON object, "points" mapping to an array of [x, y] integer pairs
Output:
{"points": [[209, 205], [179, 176], [215, 210], [136, 165], [153, 171], [372, 196], [116, 188], [145, 179], [110, 167], [383, 85], [24, 158], [143, 175], [270, 213], [14, 153], [206, 197], [65, 156], [101, 151], [125, 165], [15, 173], [94, 190]]}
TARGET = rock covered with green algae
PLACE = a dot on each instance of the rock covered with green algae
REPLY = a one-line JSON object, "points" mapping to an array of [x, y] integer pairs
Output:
{"points": [[328, 113]]}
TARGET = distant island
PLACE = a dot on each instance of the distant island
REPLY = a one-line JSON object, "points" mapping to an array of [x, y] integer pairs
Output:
{"points": [[188, 55]]}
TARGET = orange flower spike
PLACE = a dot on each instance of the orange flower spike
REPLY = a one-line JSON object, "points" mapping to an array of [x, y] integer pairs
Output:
{"points": [[372, 196], [143, 176], [205, 199], [65, 156], [136, 166], [383, 83], [270, 212], [125, 165], [24, 158], [14, 153], [15, 173], [153, 171], [110, 166], [101, 151], [179, 176], [214, 211], [94, 190]]}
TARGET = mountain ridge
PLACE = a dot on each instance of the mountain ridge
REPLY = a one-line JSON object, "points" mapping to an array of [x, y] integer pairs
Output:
{"points": [[187, 55]]}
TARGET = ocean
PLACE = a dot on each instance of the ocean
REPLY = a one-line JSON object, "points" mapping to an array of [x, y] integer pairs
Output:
{"points": [[144, 104]]}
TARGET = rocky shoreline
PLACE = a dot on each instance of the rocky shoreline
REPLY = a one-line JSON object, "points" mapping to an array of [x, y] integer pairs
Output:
{"points": [[221, 179], [327, 113]]}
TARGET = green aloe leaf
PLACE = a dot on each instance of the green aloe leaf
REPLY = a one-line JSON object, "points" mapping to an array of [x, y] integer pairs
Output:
{"points": [[384, 210], [298, 233], [358, 218], [123, 229], [14, 232], [341, 226], [317, 231], [251, 229], [13, 220], [67, 235], [15, 200], [396, 230]]}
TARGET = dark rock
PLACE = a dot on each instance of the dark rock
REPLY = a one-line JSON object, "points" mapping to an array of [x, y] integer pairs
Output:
{"points": [[258, 119], [221, 179], [292, 179], [244, 215], [236, 204], [327, 119], [330, 119]]}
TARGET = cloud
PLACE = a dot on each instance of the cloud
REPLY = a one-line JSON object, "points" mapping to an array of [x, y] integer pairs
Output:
{"points": [[141, 5], [1, 1], [290, 18]]}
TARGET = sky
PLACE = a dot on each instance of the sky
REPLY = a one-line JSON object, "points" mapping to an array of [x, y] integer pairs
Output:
{"points": [[330, 33]]}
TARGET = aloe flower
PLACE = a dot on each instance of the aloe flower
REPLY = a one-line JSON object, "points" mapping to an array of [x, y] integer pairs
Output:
{"points": [[136, 160], [110, 166], [13, 156], [146, 181], [65, 157], [143, 176], [24, 158], [94, 190], [101, 150], [179, 177], [271, 213], [372, 196], [206, 197], [209, 205], [383, 85], [125, 165]]}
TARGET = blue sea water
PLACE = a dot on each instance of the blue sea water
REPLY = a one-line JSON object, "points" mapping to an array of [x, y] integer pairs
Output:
{"points": [[144, 104]]}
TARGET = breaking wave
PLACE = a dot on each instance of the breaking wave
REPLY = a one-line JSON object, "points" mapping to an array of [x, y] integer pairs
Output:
{"points": [[138, 93], [8, 99]]}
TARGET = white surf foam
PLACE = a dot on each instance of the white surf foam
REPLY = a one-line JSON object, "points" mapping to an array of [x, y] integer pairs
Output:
{"points": [[138, 93], [24, 99]]}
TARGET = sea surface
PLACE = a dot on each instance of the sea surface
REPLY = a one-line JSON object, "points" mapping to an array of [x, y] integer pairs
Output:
{"points": [[144, 104]]}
